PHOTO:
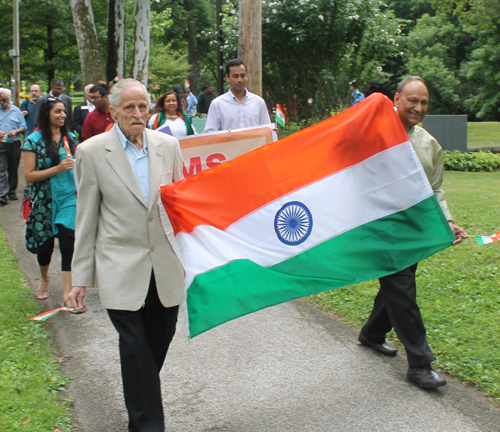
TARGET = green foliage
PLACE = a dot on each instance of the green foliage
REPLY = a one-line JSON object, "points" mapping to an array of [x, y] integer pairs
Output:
{"points": [[166, 68], [312, 49], [475, 161], [293, 127], [29, 377], [481, 19], [457, 289], [435, 50], [47, 39]]}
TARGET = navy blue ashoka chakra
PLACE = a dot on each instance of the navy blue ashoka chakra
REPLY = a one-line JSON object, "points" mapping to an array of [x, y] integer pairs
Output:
{"points": [[293, 223]]}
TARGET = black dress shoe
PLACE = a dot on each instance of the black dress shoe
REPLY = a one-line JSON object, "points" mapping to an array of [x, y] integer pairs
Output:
{"points": [[425, 377], [383, 348], [3, 202], [13, 197]]}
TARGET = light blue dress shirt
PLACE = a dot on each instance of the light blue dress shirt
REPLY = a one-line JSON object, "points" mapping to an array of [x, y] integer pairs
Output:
{"points": [[139, 161], [11, 120], [192, 102]]}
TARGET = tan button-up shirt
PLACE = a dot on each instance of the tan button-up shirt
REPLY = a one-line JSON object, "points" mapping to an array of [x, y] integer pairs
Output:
{"points": [[430, 154]]}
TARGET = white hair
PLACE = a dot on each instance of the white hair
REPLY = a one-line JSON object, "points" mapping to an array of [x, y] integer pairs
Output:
{"points": [[115, 97], [88, 87], [6, 90]]}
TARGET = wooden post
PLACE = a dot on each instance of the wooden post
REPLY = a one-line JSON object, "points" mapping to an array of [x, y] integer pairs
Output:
{"points": [[16, 98], [220, 42], [250, 42]]}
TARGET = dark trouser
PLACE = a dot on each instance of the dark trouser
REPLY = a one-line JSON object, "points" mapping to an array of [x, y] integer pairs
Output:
{"points": [[66, 246], [145, 336], [396, 307], [10, 155]]}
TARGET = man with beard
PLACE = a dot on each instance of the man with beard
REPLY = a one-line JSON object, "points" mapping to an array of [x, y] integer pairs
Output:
{"points": [[28, 108]]}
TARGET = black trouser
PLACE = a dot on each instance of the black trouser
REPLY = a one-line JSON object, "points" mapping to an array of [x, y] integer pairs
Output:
{"points": [[10, 155], [396, 307], [66, 246], [144, 336]]}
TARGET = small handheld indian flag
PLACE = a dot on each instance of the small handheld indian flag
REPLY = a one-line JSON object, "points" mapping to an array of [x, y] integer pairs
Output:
{"points": [[186, 83], [66, 147], [280, 118], [482, 240], [46, 315], [5, 138]]}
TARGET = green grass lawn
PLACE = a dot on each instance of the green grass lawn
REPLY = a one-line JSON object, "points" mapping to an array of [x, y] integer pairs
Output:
{"points": [[29, 376], [458, 289], [483, 134]]}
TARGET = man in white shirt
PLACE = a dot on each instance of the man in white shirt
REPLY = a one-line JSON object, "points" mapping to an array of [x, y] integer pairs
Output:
{"points": [[238, 108]]}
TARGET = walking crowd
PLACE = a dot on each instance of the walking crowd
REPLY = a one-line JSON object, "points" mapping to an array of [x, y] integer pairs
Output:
{"points": [[107, 223]]}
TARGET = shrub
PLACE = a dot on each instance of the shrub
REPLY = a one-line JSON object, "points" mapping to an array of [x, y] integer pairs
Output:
{"points": [[475, 161]]}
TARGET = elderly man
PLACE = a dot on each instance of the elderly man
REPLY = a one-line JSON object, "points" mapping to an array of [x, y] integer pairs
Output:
{"points": [[395, 305], [28, 108], [81, 111], [238, 108], [119, 233], [12, 124], [56, 90]]}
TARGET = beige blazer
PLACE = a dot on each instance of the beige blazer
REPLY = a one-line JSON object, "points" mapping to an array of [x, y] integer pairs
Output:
{"points": [[117, 235]]}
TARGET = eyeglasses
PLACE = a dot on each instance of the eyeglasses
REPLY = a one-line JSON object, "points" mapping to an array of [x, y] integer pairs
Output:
{"points": [[54, 99], [94, 98]]}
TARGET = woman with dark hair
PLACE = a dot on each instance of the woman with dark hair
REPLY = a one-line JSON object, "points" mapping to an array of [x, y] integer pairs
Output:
{"points": [[48, 160], [168, 112], [182, 99]]}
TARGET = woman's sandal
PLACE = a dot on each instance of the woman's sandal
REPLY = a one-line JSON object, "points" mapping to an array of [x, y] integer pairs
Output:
{"points": [[74, 310], [42, 293]]}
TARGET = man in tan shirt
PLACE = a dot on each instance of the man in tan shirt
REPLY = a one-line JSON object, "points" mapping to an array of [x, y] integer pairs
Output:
{"points": [[395, 305]]}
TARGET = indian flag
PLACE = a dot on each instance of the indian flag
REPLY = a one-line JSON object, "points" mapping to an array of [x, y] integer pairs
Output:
{"points": [[482, 240], [280, 118], [338, 203]]}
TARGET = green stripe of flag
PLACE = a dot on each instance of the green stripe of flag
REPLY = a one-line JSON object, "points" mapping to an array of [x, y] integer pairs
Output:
{"points": [[370, 251]]}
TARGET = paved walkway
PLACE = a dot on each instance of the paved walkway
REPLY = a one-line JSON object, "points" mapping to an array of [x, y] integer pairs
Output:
{"points": [[290, 368]]}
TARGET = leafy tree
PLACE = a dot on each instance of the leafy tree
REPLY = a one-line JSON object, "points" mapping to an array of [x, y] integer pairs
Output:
{"points": [[481, 18], [47, 39], [436, 50], [311, 50], [193, 22]]}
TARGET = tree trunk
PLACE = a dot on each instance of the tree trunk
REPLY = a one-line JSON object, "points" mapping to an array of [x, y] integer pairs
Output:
{"points": [[49, 53], [192, 57], [141, 41], [115, 62], [120, 44], [86, 38]]}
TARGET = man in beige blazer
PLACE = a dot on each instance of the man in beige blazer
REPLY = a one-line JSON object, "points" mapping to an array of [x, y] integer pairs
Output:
{"points": [[119, 234]]}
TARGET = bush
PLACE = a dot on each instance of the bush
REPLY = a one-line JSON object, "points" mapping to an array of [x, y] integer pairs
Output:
{"points": [[475, 161]]}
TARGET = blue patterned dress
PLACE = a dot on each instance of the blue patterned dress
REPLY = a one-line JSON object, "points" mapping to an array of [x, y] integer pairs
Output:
{"points": [[53, 199]]}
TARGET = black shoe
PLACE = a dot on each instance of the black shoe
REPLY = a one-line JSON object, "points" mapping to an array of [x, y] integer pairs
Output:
{"points": [[3, 203], [425, 377], [383, 348], [13, 197]]}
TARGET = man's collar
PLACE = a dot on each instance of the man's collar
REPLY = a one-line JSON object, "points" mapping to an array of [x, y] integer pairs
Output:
{"points": [[124, 140], [51, 94], [235, 97]]}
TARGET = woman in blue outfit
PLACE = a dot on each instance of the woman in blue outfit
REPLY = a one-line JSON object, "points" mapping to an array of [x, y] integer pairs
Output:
{"points": [[48, 160]]}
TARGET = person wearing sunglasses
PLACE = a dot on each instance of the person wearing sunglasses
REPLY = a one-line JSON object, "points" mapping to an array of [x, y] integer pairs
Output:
{"points": [[56, 90], [12, 124], [48, 159]]}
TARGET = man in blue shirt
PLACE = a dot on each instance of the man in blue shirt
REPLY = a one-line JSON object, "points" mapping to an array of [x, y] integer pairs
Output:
{"points": [[28, 108], [356, 95], [12, 124], [192, 102]]}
